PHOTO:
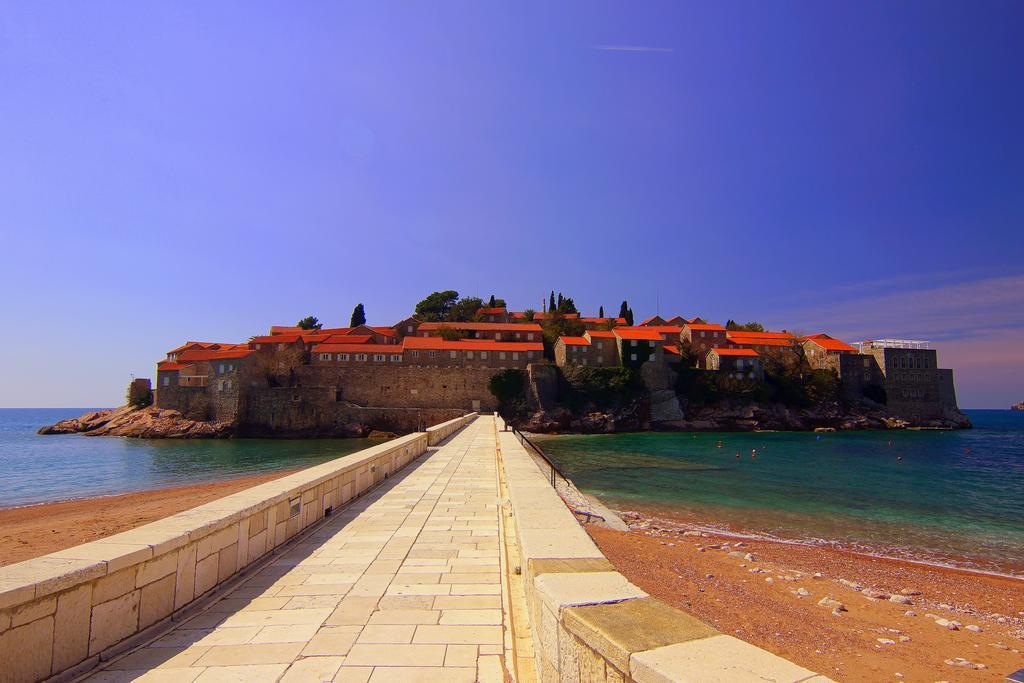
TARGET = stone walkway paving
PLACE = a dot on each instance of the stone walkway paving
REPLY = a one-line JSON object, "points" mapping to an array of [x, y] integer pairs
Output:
{"points": [[403, 585]]}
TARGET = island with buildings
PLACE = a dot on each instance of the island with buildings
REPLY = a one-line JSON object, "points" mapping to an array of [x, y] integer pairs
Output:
{"points": [[552, 370]]}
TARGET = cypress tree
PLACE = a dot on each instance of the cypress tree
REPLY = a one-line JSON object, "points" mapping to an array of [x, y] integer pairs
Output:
{"points": [[490, 304], [623, 309], [600, 312], [551, 301], [629, 317], [358, 316]]}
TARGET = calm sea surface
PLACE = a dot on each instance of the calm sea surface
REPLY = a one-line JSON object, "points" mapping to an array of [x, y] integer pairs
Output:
{"points": [[35, 469], [949, 497]]}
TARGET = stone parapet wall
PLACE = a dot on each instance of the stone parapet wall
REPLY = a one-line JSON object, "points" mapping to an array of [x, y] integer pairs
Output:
{"points": [[64, 612], [440, 432], [589, 623]]}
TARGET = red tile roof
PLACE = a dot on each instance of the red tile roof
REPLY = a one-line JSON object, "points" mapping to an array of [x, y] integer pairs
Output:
{"points": [[386, 331], [666, 329], [277, 339], [541, 316], [491, 311], [705, 326], [600, 334], [286, 329], [348, 339], [734, 352], [652, 319], [739, 334], [195, 344], [830, 344], [761, 341], [336, 330], [672, 349], [167, 366], [197, 355], [575, 341], [636, 333], [481, 327], [226, 354], [437, 343]]}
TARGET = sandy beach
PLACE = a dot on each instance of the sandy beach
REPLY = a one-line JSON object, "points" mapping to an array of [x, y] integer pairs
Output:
{"points": [[768, 593], [34, 530]]}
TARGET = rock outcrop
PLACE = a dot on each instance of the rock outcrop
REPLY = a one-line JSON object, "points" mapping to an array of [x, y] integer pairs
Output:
{"points": [[662, 410], [148, 423]]}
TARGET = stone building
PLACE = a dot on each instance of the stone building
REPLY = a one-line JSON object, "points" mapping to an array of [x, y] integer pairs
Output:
{"points": [[741, 364], [907, 370], [496, 314], [772, 347], [700, 337], [638, 345], [514, 332], [823, 352]]}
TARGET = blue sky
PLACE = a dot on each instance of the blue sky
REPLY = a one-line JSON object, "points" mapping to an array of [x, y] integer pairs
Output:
{"points": [[175, 171]]}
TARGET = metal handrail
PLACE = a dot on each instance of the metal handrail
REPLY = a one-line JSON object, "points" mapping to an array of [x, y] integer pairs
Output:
{"points": [[523, 439]]}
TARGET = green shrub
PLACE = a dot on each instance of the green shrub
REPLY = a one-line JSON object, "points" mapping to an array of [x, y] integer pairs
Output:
{"points": [[603, 387], [508, 385]]}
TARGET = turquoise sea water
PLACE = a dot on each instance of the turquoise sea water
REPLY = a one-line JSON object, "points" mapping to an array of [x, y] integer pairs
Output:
{"points": [[950, 497], [35, 469]]}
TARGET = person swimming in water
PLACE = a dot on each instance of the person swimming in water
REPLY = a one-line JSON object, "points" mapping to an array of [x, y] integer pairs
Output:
{"points": [[753, 454]]}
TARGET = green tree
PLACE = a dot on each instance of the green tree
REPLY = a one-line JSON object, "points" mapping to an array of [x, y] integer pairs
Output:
{"points": [[528, 314], [450, 334], [465, 310], [600, 312], [310, 322], [436, 306], [551, 301], [491, 302], [748, 327], [626, 312], [508, 385], [358, 316], [566, 305]]}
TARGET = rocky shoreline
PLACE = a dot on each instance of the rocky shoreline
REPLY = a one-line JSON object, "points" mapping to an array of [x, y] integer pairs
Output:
{"points": [[642, 416], [162, 423], [143, 423]]}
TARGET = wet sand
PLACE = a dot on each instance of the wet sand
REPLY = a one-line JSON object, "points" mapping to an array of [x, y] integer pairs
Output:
{"points": [[756, 599], [34, 530]]}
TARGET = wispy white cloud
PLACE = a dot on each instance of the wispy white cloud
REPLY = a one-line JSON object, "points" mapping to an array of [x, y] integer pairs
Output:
{"points": [[950, 311], [977, 326], [632, 48]]}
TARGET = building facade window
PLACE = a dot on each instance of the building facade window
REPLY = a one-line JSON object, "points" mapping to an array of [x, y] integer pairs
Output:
{"points": [[342, 356], [360, 356], [395, 358], [166, 381], [483, 355], [379, 357], [325, 356], [453, 354]]}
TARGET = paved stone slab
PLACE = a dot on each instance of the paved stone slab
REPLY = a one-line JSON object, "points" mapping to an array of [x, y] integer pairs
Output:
{"points": [[402, 585]]}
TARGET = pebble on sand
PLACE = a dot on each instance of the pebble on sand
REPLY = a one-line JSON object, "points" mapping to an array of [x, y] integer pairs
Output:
{"points": [[832, 604]]}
